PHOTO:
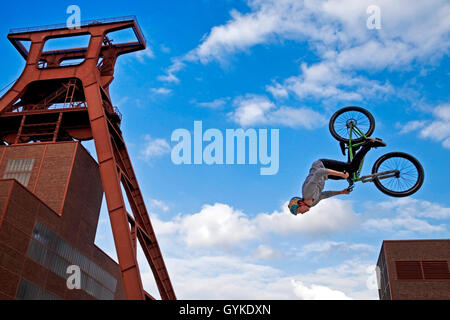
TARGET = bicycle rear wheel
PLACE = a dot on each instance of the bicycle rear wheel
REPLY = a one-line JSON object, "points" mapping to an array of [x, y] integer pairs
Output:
{"points": [[340, 124], [409, 177]]}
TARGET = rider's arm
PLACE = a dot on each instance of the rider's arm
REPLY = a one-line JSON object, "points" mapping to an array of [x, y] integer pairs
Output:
{"points": [[328, 194], [345, 191]]}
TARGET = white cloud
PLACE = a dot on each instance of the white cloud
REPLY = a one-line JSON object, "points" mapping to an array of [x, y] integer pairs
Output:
{"points": [[411, 126], [158, 204], [297, 118], [409, 29], [154, 148], [143, 55], [327, 247], [442, 112], [164, 227], [241, 32], [197, 274], [225, 277], [164, 48], [213, 225], [170, 77], [336, 31], [326, 80], [267, 22], [177, 65], [257, 110], [161, 91], [231, 277], [327, 217], [277, 90], [416, 208], [265, 252], [437, 128], [408, 216], [317, 292], [402, 225], [215, 104], [446, 143], [251, 110], [350, 277]]}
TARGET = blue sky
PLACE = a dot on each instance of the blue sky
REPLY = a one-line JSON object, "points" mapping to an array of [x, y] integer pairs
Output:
{"points": [[224, 229]]}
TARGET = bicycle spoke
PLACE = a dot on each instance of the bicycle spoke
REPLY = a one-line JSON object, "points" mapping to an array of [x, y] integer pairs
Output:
{"points": [[360, 120], [407, 178]]}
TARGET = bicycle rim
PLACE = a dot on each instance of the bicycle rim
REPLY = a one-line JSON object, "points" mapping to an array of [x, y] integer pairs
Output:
{"points": [[410, 174], [343, 119]]}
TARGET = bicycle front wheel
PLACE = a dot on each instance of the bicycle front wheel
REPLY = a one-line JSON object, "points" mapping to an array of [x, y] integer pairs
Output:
{"points": [[343, 119], [408, 178]]}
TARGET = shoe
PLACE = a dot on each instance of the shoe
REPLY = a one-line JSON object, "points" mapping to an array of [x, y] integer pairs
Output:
{"points": [[376, 142]]}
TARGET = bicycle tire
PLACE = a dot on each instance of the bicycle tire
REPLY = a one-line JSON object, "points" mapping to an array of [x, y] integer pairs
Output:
{"points": [[332, 124], [418, 181]]}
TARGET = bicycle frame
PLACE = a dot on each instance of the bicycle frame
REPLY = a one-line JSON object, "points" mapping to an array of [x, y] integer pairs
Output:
{"points": [[356, 175], [351, 146]]}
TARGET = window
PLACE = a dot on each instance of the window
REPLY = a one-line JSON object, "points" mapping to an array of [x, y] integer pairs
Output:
{"points": [[110, 282], [49, 250], [95, 271], [19, 169], [62, 248], [93, 288], [408, 270], [422, 270], [435, 270], [107, 295], [80, 260], [37, 252], [43, 235], [28, 291], [56, 264]]}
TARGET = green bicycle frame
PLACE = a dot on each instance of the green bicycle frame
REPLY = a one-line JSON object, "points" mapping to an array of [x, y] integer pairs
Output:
{"points": [[355, 129]]}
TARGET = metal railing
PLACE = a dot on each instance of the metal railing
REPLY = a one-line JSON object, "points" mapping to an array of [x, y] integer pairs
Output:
{"points": [[119, 114], [82, 24]]}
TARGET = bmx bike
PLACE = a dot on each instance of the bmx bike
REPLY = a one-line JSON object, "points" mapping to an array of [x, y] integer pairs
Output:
{"points": [[396, 174]]}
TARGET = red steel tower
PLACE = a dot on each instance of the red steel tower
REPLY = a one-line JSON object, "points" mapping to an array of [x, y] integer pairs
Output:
{"points": [[62, 97]]}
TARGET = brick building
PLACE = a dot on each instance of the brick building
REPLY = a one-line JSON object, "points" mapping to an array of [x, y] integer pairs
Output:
{"points": [[414, 269], [50, 199]]}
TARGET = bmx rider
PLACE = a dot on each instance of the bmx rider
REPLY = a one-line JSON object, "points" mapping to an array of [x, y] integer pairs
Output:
{"points": [[323, 169]]}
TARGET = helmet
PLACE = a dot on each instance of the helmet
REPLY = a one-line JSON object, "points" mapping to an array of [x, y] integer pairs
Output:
{"points": [[293, 205]]}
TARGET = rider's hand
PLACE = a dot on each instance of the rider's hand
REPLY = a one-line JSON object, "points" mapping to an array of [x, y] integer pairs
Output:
{"points": [[346, 191], [345, 175]]}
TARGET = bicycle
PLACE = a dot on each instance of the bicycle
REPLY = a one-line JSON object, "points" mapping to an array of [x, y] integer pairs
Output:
{"points": [[396, 174]]}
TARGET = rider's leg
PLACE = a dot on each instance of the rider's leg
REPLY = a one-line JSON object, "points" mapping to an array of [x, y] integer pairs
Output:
{"points": [[359, 156], [352, 166], [335, 165]]}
